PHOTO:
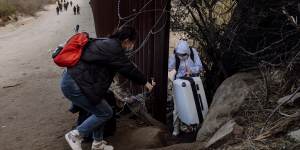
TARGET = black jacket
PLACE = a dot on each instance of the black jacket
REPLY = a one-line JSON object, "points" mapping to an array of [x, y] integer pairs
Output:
{"points": [[99, 63]]}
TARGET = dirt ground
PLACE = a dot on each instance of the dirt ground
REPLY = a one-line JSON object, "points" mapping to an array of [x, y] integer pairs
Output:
{"points": [[33, 112]]}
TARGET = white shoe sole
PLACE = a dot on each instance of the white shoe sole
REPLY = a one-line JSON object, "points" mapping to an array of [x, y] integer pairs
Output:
{"points": [[71, 143], [105, 148], [175, 133]]}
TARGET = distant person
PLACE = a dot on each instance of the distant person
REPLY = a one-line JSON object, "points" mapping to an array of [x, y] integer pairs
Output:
{"points": [[66, 6], [74, 10], [57, 10], [78, 10], [77, 28], [60, 7], [71, 3], [86, 84]]}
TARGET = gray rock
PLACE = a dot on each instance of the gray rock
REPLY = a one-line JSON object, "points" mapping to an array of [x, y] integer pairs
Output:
{"points": [[228, 130], [295, 135], [227, 100]]}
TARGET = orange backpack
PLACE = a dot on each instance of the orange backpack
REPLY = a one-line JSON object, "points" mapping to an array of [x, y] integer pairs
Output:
{"points": [[69, 55]]}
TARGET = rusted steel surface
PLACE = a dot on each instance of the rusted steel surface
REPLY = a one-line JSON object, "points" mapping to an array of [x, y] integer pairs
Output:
{"points": [[105, 16], [151, 19]]}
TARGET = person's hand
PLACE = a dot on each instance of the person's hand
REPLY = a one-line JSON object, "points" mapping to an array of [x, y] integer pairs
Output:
{"points": [[188, 72], [153, 83], [172, 74], [150, 86]]}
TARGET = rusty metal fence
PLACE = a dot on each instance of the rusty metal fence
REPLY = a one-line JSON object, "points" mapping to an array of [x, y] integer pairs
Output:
{"points": [[151, 19]]}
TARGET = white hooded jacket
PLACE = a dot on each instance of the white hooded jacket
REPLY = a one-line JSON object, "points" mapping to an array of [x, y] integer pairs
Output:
{"points": [[188, 64]]}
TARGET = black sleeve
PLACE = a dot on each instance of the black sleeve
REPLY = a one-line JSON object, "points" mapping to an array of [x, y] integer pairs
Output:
{"points": [[125, 67], [110, 53]]}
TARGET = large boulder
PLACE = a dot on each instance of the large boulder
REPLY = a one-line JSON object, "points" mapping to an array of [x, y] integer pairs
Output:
{"points": [[219, 123], [227, 100], [228, 130], [295, 135]]}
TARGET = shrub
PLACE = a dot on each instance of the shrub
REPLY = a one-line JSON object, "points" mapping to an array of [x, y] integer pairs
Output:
{"points": [[6, 10], [29, 7]]}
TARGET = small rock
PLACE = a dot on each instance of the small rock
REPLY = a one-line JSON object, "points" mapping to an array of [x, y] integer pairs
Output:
{"points": [[11, 86], [224, 133], [295, 135], [227, 100], [10, 18]]}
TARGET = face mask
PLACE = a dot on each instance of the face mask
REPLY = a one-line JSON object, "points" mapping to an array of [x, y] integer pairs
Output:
{"points": [[129, 48], [183, 57]]}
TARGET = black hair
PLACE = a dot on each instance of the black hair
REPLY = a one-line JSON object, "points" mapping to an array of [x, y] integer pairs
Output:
{"points": [[126, 32]]}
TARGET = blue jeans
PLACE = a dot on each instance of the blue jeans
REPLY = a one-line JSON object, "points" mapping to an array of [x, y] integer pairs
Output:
{"points": [[100, 113]]}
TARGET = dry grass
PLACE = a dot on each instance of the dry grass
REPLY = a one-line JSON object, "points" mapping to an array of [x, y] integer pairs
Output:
{"points": [[254, 113]]}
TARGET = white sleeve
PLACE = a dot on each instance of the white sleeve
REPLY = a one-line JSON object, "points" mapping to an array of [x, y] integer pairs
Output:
{"points": [[172, 62], [197, 67]]}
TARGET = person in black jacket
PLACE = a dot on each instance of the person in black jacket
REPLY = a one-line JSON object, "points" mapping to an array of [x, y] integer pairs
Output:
{"points": [[78, 9], [57, 10], [74, 10], [86, 84]]}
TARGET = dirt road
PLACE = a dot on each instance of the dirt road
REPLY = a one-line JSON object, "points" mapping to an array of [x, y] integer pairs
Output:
{"points": [[33, 112]]}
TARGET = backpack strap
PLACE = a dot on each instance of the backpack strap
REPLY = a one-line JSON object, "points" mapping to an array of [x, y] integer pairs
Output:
{"points": [[101, 38], [192, 54], [177, 61]]}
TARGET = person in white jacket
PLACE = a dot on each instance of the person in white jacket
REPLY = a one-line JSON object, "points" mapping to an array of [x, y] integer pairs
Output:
{"points": [[185, 61], [189, 60]]}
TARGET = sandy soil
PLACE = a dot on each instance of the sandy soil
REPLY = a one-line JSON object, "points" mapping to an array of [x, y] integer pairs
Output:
{"points": [[33, 112]]}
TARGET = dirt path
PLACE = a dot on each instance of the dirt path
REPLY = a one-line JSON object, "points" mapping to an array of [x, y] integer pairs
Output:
{"points": [[33, 112]]}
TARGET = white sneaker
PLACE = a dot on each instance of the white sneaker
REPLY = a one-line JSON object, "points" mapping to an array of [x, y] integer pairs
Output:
{"points": [[101, 145], [74, 139], [175, 132], [176, 128]]}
